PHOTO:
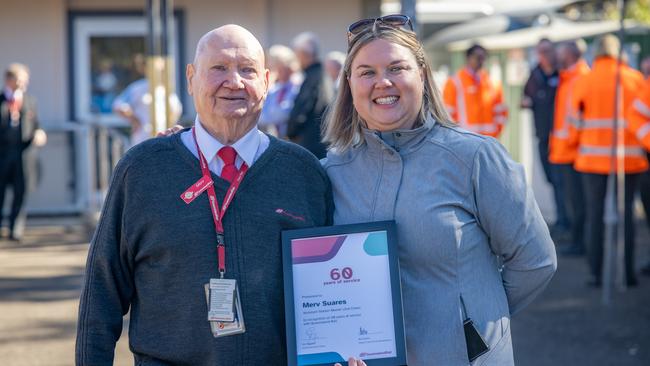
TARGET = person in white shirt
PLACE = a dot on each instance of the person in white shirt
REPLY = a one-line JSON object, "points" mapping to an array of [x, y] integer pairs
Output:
{"points": [[279, 102], [134, 104]]}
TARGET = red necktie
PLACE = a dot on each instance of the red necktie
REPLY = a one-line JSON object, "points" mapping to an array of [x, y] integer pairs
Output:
{"points": [[282, 93], [14, 108], [228, 156]]}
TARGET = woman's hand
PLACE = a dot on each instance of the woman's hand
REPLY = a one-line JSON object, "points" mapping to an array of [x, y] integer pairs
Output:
{"points": [[170, 131], [353, 362]]}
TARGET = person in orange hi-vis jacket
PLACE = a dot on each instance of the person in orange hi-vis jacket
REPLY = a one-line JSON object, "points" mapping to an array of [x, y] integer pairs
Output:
{"points": [[472, 99], [592, 109], [561, 153], [639, 118]]}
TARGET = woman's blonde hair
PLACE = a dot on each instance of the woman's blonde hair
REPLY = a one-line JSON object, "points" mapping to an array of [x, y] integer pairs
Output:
{"points": [[342, 128]]}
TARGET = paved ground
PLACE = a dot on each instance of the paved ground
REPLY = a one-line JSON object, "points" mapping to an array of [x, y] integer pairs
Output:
{"points": [[568, 325], [40, 281]]}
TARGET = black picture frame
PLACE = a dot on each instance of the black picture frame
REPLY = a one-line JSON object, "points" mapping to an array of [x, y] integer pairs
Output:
{"points": [[396, 290]]}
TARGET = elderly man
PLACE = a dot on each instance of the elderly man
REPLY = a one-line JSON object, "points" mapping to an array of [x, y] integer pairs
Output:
{"points": [[19, 132], [334, 63], [279, 102], [315, 94], [167, 240]]}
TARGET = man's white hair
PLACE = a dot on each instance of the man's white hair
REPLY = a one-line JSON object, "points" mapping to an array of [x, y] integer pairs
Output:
{"points": [[283, 55], [308, 42], [337, 56]]}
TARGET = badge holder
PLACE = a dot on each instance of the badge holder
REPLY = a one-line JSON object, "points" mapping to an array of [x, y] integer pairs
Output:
{"points": [[224, 308], [476, 345]]}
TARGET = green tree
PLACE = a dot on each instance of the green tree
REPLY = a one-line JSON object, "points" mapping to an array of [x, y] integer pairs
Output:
{"points": [[639, 10]]}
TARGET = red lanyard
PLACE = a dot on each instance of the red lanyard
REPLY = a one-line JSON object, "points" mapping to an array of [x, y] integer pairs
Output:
{"points": [[217, 215]]}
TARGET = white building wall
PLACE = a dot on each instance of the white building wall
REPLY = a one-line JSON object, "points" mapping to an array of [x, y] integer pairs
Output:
{"points": [[34, 33]]}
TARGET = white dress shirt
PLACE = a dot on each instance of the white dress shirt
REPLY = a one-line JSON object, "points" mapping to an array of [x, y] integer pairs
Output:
{"points": [[137, 98], [13, 94], [249, 148]]}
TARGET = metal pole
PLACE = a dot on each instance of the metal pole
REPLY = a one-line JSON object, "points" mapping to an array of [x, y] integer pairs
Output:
{"points": [[160, 69], [614, 250], [409, 9]]}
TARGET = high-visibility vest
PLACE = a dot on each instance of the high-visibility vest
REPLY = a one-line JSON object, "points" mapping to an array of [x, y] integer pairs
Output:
{"points": [[639, 116], [560, 150], [593, 119], [476, 103]]}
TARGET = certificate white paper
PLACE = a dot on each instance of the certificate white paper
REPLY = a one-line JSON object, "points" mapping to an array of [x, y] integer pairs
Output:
{"points": [[342, 298]]}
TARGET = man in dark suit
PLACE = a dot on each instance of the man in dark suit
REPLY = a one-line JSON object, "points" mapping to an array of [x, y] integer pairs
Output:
{"points": [[315, 94], [539, 96], [18, 132]]}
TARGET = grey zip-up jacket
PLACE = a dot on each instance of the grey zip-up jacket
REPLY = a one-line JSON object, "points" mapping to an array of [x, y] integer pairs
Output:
{"points": [[468, 227]]}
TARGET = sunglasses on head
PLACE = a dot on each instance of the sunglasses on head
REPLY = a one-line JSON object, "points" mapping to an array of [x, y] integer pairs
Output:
{"points": [[393, 20]]}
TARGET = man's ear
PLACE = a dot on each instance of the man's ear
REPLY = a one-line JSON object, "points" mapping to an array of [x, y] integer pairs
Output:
{"points": [[189, 75], [267, 76]]}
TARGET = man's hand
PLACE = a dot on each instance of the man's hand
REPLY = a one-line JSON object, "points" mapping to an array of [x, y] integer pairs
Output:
{"points": [[40, 138], [170, 131], [136, 125], [353, 362]]}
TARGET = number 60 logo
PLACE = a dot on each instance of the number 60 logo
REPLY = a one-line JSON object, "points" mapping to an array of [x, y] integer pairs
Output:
{"points": [[346, 272]]}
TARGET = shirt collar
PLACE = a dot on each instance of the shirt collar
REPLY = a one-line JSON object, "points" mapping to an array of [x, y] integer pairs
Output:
{"points": [[246, 146], [10, 94]]}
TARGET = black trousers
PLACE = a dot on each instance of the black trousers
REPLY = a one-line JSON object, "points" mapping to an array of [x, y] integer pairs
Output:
{"points": [[554, 177], [575, 202], [595, 186], [12, 174], [644, 190]]}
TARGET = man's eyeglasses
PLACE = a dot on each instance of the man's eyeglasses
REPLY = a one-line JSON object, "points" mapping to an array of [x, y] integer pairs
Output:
{"points": [[393, 20]]}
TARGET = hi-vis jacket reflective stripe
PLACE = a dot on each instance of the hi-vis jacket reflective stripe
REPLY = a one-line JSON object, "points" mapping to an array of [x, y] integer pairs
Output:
{"points": [[639, 116], [592, 116], [475, 103], [560, 151]]}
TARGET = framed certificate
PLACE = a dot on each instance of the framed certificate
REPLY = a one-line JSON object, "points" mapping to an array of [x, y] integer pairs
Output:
{"points": [[342, 295]]}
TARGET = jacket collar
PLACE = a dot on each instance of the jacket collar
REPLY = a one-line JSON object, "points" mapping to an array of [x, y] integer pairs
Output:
{"points": [[580, 67], [402, 141]]}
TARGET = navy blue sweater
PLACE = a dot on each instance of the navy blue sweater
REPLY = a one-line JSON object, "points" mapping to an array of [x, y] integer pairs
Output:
{"points": [[152, 254]]}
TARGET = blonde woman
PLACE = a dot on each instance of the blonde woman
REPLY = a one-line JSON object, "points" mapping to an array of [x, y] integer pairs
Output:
{"points": [[472, 242]]}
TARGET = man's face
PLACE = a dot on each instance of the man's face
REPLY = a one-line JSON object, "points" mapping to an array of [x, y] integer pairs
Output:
{"points": [[333, 69], [305, 59], [546, 54], [645, 67], [228, 84], [14, 83], [11, 82], [564, 58], [477, 59]]}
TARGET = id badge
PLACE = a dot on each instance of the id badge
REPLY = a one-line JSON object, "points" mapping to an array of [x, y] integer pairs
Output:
{"points": [[226, 328], [221, 300]]}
